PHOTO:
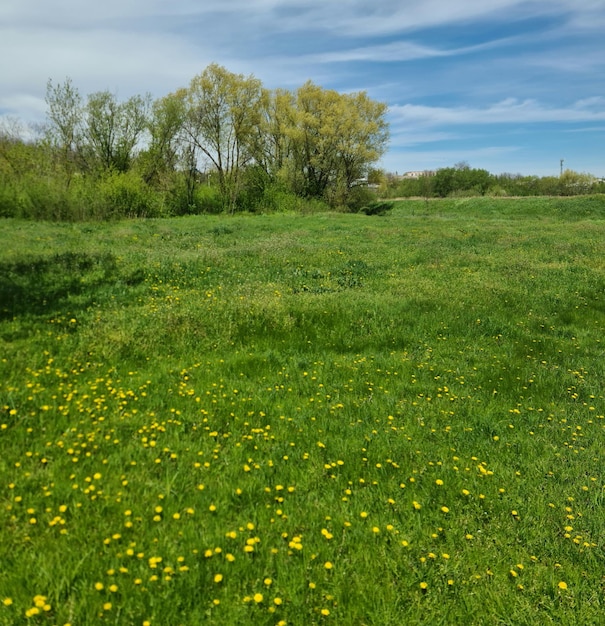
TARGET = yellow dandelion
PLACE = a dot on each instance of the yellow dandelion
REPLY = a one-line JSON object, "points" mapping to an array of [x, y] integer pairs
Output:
{"points": [[562, 585], [328, 565], [258, 598]]}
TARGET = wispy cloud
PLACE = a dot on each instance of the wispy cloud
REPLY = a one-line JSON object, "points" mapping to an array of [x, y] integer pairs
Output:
{"points": [[509, 111], [402, 51]]}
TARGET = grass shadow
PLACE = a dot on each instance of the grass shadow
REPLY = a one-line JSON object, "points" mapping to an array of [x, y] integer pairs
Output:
{"points": [[46, 285]]}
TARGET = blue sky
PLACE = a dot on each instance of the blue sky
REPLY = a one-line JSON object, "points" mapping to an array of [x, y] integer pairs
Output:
{"points": [[506, 85]]}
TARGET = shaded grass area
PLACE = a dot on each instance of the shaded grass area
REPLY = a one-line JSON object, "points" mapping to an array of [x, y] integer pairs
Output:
{"points": [[414, 399]]}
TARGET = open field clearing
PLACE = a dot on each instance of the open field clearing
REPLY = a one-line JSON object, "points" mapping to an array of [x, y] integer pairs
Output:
{"points": [[306, 419]]}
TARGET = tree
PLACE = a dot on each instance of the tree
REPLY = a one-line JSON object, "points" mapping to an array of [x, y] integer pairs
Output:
{"points": [[272, 145], [223, 113], [574, 183], [166, 146], [361, 135], [443, 181], [335, 140], [65, 124], [112, 130], [461, 178]]}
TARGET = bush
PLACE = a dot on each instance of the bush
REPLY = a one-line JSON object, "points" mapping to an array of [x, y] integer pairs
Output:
{"points": [[497, 192], [359, 197]]}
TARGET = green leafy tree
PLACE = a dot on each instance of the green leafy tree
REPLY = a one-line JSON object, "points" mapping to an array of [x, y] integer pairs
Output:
{"points": [[64, 130], [335, 139], [272, 144], [112, 130], [575, 183], [223, 113], [166, 148]]}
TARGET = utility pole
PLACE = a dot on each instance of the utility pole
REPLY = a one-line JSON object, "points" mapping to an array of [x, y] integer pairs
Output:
{"points": [[562, 161]]}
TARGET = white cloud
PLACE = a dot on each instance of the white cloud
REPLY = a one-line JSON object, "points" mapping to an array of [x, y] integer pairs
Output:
{"points": [[508, 111], [400, 51]]}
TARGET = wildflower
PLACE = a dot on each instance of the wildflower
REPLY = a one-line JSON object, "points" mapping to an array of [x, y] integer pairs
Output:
{"points": [[277, 601], [218, 578], [562, 585], [258, 598], [445, 509], [424, 586], [7, 601], [107, 606], [328, 565], [325, 612]]}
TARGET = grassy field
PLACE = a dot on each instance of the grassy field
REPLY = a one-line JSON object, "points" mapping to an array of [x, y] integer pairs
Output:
{"points": [[305, 419]]}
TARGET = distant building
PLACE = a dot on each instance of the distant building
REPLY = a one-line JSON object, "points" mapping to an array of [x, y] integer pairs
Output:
{"points": [[418, 174]]}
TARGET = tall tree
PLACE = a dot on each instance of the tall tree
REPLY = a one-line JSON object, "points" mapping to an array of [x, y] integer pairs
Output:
{"points": [[165, 148], [65, 124], [361, 135], [336, 138], [272, 147], [223, 112], [113, 129]]}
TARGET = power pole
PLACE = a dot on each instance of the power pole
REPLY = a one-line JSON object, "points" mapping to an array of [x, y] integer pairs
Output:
{"points": [[562, 161]]}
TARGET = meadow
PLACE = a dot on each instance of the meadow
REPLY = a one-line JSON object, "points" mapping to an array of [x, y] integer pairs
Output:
{"points": [[305, 419]]}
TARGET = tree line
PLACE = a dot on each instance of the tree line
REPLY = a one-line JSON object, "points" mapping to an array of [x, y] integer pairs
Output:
{"points": [[222, 144], [462, 180]]}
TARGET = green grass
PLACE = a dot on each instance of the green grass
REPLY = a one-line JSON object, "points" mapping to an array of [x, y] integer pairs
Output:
{"points": [[255, 397]]}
